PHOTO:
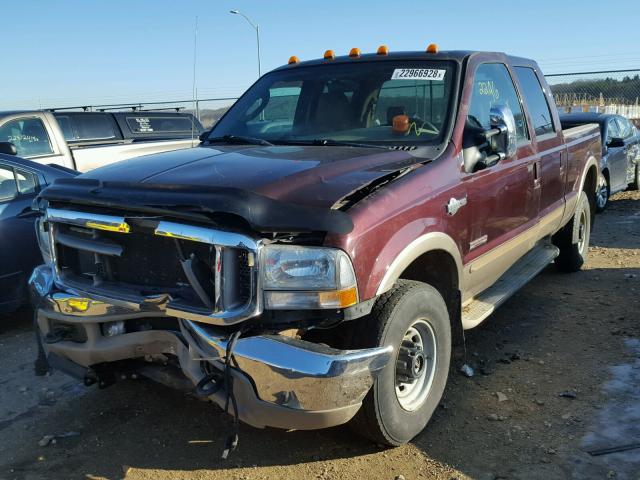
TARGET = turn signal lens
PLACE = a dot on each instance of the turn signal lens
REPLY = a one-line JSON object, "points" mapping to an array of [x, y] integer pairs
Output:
{"points": [[329, 55], [293, 59], [354, 52], [339, 299], [383, 50], [432, 48]]}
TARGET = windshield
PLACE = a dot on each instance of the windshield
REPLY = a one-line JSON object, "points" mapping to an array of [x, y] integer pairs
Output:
{"points": [[394, 103]]}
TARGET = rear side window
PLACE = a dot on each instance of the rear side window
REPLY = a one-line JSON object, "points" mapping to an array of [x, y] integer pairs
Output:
{"points": [[29, 135], [161, 124], [8, 188], [87, 127], [536, 101]]}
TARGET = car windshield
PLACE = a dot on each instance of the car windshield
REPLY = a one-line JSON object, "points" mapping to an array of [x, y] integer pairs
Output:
{"points": [[386, 103]]}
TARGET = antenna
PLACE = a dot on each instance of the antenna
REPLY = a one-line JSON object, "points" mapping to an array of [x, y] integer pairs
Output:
{"points": [[194, 88]]}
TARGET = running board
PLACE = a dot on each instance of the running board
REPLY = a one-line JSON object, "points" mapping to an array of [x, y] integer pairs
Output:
{"points": [[509, 283]]}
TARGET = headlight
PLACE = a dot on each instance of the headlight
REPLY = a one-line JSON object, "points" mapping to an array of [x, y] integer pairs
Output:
{"points": [[307, 278]]}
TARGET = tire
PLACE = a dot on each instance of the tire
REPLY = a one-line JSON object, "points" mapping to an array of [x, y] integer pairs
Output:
{"points": [[602, 196], [635, 185], [391, 414], [573, 239]]}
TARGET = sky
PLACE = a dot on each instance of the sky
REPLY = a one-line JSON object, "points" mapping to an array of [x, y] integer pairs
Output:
{"points": [[88, 52]]}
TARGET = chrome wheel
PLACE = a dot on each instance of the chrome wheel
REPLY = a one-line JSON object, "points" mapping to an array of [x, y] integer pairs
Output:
{"points": [[415, 365], [602, 197], [583, 226]]}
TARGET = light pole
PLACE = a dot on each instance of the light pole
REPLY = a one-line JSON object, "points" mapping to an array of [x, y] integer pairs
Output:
{"points": [[257, 29]]}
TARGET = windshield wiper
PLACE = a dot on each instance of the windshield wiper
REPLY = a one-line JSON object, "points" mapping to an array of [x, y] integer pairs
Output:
{"points": [[239, 140]]}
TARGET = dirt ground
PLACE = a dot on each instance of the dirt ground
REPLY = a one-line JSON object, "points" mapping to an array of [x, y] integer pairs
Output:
{"points": [[576, 335]]}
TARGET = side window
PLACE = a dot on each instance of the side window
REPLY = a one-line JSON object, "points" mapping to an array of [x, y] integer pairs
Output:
{"points": [[493, 86], [8, 188], [28, 135], [27, 182], [613, 131], [536, 101]]}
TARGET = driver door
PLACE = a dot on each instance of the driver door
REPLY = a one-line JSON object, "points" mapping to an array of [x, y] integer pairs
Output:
{"points": [[503, 198]]}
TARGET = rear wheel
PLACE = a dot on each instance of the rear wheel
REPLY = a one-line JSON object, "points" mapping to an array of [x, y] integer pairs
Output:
{"points": [[413, 318], [573, 239], [602, 197]]}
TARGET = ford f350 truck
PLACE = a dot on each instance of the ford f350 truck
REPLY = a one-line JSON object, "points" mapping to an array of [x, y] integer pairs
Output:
{"points": [[86, 140], [317, 259]]}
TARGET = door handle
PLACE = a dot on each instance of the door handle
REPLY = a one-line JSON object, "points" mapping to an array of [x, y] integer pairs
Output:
{"points": [[536, 174]]}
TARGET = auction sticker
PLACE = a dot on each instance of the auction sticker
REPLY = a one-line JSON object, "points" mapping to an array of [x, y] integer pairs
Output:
{"points": [[418, 74]]}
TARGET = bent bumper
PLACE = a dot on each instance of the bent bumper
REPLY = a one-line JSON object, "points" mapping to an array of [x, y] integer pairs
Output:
{"points": [[282, 382]]}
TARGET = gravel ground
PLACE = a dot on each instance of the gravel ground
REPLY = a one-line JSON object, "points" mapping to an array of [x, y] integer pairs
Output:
{"points": [[575, 335]]}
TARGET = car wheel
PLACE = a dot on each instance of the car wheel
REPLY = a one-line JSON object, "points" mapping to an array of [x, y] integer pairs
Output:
{"points": [[573, 239], [413, 318], [602, 196]]}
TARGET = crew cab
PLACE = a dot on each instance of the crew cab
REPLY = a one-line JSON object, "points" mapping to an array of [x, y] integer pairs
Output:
{"points": [[317, 258], [85, 140]]}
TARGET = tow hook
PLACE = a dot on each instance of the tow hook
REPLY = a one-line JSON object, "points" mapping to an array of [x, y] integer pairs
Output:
{"points": [[411, 362]]}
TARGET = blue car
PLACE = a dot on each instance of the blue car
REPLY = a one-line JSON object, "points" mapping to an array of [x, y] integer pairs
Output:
{"points": [[20, 182]]}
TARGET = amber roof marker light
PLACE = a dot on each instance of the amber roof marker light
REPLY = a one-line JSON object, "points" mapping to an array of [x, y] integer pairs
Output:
{"points": [[383, 50], [432, 48], [329, 55], [293, 60], [354, 52]]}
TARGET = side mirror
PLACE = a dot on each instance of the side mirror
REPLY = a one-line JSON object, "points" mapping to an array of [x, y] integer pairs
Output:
{"points": [[8, 148], [505, 142], [204, 135], [615, 142]]}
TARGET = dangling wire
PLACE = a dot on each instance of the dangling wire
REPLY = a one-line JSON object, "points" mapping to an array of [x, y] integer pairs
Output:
{"points": [[231, 441]]}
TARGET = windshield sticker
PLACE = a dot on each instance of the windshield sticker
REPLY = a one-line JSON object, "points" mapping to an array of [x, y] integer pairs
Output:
{"points": [[418, 74]]}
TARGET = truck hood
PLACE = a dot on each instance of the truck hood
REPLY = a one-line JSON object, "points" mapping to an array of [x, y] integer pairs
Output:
{"points": [[314, 176]]}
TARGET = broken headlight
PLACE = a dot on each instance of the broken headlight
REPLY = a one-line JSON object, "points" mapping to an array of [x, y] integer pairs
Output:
{"points": [[296, 277]]}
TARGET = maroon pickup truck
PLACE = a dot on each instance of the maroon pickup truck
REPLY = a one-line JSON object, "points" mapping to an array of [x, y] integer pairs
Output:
{"points": [[316, 260]]}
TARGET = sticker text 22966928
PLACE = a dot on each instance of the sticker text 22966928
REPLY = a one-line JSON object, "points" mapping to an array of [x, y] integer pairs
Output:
{"points": [[418, 74]]}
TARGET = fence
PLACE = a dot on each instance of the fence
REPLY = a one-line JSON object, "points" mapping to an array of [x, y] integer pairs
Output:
{"points": [[614, 91]]}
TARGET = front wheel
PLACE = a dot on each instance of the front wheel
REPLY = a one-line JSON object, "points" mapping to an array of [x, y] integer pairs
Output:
{"points": [[573, 239], [413, 318]]}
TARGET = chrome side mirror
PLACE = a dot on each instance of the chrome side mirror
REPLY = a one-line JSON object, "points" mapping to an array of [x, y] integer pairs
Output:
{"points": [[506, 142]]}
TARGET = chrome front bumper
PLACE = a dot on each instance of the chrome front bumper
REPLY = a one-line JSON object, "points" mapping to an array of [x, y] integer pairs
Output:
{"points": [[282, 382]]}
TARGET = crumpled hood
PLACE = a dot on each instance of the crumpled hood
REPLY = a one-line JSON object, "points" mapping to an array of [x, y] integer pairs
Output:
{"points": [[316, 176]]}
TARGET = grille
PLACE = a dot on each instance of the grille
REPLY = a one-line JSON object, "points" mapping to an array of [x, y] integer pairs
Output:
{"points": [[149, 264]]}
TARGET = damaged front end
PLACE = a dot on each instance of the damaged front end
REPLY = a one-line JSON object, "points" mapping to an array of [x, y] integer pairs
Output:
{"points": [[159, 292]]}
